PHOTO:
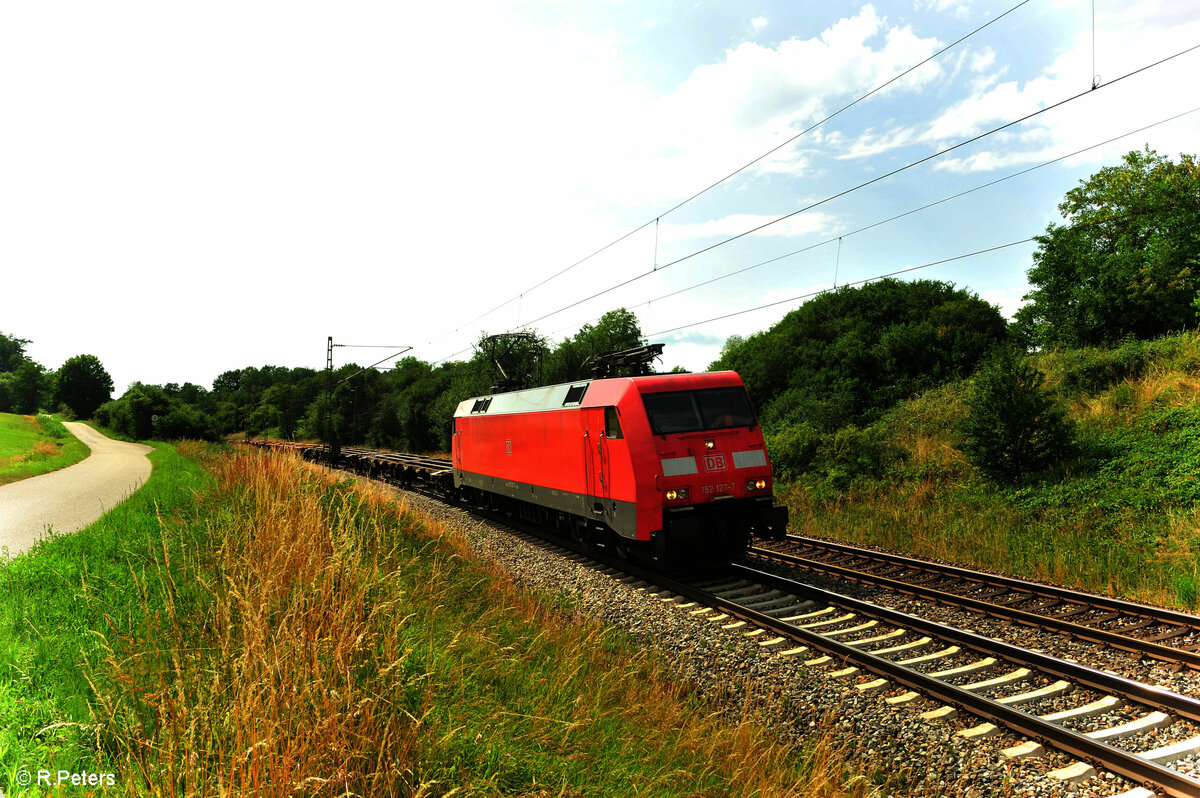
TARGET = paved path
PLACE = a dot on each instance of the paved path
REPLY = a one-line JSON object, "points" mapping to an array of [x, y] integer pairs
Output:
{"points": [[71, 498]]}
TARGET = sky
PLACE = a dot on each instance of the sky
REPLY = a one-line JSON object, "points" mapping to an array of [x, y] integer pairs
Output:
{"points": [[189, 188]]}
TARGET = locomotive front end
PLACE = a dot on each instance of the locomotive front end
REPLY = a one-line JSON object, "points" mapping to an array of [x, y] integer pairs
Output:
{"points": [[715, 484]]}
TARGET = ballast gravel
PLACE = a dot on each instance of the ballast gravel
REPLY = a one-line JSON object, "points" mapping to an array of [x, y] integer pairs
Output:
{"points": [[899, 753]]}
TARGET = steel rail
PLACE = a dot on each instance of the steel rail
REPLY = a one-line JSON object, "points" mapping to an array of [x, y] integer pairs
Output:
{"points": [[1095, 752], [1093, 634], [1160, 614], [1147, 695]]}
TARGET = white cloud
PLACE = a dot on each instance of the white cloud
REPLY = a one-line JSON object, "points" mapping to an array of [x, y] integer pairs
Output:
{"points": [[1126, 39]]}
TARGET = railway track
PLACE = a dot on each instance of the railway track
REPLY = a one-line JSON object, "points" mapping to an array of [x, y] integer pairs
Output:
{"points": [[1103, 720], [1144, 630], [1002, 684]]}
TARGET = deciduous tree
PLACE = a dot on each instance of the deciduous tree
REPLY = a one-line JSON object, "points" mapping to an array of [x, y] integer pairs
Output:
{"points": [[1125, 262], [83, 385]]}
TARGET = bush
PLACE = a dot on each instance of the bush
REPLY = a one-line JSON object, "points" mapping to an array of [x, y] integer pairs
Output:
{"points": [[840, 458], [1090, 370], [793, 449], [1013, 428], [852, 454]]}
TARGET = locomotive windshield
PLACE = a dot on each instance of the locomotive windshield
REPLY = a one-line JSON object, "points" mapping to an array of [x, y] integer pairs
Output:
{"points": [[691, 411]]}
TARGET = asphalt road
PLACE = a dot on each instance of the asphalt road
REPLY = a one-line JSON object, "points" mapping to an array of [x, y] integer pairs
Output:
{"points": [[72, 498]]}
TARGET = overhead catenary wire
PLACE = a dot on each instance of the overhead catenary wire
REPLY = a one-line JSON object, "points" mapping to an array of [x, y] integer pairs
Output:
{"points": [[863, 185], [1095, 223], [925, 207], [907, 213], [742, 168], [811, 294], [882, 222]]}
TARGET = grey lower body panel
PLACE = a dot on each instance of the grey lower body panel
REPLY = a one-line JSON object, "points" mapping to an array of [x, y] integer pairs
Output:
{"points": [[620, 516]]}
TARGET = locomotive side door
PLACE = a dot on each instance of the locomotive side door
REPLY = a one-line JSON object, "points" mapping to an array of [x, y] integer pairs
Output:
{"points": [[595, 461]]}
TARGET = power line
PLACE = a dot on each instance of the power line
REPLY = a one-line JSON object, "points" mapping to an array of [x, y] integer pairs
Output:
{"points": [[870, 182], [1084, 225], [919, 209], [844, 285], [910, 212], [746, 166]]}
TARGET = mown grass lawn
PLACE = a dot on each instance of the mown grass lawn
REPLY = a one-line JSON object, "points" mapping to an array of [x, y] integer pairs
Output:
{"points": [[33, 445]]}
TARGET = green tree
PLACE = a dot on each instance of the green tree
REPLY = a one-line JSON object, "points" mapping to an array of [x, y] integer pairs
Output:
{"points": [[27, 389], [615, 331], [1013, 428], [12, 352], [1126, 261], [83, 385], [847, 356]]}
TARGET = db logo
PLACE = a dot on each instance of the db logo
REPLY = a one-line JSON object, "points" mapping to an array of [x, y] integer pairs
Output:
{"points": [[714, 462]]}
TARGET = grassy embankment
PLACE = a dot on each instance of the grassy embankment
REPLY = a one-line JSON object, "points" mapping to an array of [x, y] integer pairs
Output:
{"points": [[1121, 515], [33, 445], [289, 634]]}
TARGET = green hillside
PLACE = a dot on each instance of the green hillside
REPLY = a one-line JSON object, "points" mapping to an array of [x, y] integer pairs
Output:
{"points": [[1118, 513]]}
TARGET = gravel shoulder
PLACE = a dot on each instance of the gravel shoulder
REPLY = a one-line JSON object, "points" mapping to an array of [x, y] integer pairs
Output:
{"points": [[68, 500]]}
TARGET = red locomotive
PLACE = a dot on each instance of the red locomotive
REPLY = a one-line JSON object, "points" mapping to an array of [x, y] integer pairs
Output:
{"points": [[669, 467]]}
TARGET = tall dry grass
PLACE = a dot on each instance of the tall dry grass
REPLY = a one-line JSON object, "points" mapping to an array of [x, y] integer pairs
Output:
{"points": [[316, 639], [280, 675]]}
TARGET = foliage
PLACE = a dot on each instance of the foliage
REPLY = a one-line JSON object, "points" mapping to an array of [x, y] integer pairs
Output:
{"points": [[407, 408], [1125, 263], [149, 412], [12, 352], [616, 331], [1089, 370], [83, 385], [28, 388], [1013, 427], [840, 459], [846, 356]]}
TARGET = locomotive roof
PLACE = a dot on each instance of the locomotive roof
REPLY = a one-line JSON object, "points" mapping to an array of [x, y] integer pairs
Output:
{"points": [[590, 393]]}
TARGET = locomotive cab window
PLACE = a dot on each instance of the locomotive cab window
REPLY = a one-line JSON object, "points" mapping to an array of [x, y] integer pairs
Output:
{"points": [[691, 411], [612, 423]]}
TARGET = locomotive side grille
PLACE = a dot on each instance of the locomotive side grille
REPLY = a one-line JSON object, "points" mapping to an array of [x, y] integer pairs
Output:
{"points": [[749, 459], [678, 466]]}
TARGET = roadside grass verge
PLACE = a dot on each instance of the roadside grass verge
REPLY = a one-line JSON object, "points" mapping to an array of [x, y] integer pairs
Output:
{"points": [[33, 445], [291, 633], [53, 600]]}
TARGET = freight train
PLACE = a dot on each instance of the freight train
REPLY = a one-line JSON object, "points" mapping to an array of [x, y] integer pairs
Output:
{"points": [[666, 468]]}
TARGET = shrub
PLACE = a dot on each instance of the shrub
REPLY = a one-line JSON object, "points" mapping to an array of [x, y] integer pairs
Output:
{"points": [[1013, 428], [793, 449], [839, 458]]}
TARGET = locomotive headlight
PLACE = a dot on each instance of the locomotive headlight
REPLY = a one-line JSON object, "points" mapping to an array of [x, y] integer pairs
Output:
{"points": [[709, 444], [756, 484], [680, 493]]}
